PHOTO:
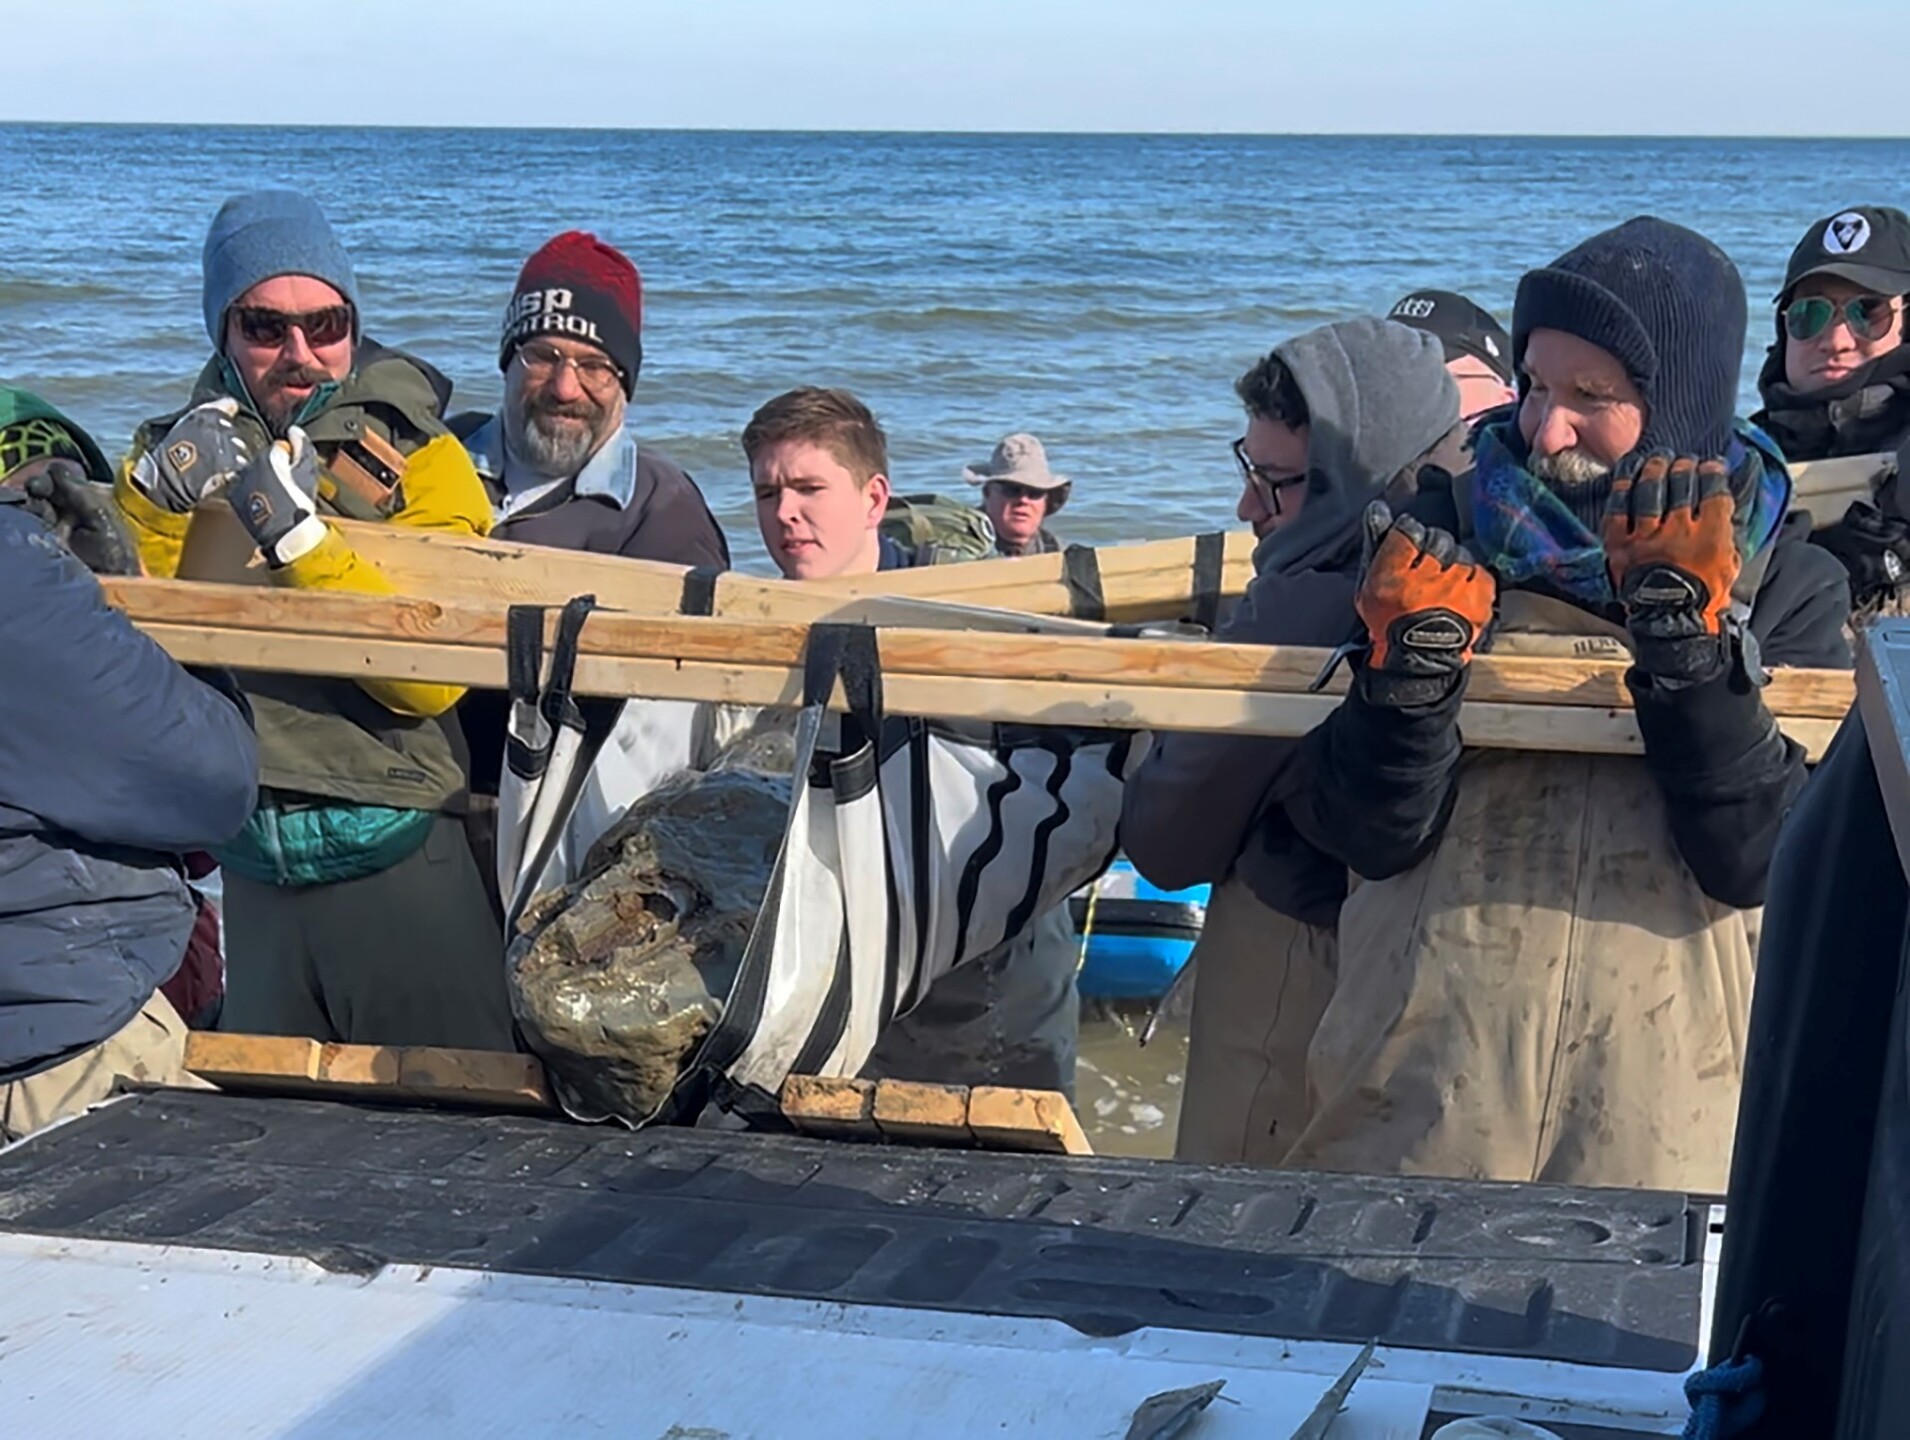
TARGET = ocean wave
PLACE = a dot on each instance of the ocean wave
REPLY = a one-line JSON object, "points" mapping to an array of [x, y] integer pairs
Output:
{"points": [[46, 292]]}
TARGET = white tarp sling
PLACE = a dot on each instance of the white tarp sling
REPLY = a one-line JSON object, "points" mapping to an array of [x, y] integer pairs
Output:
{"points": [[572, 767], [910, 847], [917, 847]]}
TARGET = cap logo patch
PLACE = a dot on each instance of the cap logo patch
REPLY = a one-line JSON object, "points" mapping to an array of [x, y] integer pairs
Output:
{"points": [[1846, 234], [1413, 308], [1492, 346]]}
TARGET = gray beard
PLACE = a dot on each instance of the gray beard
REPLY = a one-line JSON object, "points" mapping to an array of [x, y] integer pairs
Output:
{"points": [[555, 454], [1569, 470]]}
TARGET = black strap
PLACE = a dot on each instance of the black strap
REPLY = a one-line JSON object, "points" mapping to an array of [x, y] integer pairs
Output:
{"points": [[848, 653], [556, 703], [699, 591], [1081, 570], [1210, 557], [524, 650]]}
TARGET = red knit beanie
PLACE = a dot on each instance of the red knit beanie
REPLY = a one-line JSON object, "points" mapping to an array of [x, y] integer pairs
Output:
{"points": [[578, 288]]}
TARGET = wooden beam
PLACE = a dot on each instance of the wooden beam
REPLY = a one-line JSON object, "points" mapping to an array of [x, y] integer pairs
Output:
{"points": [[1038, 1119], [829, 1109], [1825, 488], [1150, 580], [312, 632], [287, 1064], [982, 1117], [1153, 580]]}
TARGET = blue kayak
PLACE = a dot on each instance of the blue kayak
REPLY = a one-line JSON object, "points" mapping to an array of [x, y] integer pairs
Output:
{"points": [[1138, 935]]}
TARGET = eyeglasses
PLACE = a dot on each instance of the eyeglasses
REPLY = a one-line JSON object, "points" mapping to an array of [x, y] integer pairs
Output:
{"points": [[1012, 493], [1868, 316], [269, 329], [594, 373], [1266, 481]]}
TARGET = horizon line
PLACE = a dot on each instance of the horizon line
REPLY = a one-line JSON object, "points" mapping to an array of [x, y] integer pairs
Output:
{"points": [[935, 131]]}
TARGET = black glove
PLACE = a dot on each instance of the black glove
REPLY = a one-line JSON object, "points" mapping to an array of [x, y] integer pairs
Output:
{"points": [[1874, 548], [83, 515]]}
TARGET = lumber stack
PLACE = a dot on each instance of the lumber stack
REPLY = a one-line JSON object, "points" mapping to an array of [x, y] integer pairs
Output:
{"points": [[1524, 703]]}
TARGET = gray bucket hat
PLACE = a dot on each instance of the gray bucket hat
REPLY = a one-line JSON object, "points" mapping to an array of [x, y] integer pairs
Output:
{"points": [[1020, 460]]}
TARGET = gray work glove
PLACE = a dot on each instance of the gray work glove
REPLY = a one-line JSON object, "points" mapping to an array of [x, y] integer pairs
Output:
{"points": [[81, 512], [275, 498], [198, 458]]}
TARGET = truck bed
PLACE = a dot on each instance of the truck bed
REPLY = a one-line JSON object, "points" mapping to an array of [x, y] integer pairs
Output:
{"points": [[345, 1252]]}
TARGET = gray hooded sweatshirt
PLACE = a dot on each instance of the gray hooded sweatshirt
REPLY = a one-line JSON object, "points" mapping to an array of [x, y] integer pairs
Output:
{"points": [[1381, 406]]}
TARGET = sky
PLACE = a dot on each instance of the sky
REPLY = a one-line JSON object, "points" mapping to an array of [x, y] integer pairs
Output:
{"points": [[1550, 67]]}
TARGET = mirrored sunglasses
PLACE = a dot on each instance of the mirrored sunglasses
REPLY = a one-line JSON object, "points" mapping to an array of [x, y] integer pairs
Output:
{"points": [[1868, 316]]}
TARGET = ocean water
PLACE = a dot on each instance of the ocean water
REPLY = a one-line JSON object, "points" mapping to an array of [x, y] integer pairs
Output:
{"points": [[1101, 291]]}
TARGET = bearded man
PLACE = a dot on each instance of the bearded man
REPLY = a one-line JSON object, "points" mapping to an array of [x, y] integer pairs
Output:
{"points": [[1546, 970], [354, 912], [559, 464], [562, 470]]}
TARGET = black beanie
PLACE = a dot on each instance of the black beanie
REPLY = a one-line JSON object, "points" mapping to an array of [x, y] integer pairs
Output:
{"points": [[1669, 305]]}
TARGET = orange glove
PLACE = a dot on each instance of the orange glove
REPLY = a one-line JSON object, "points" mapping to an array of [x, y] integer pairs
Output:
{"points": [[1423, 598], [1673, 553]]}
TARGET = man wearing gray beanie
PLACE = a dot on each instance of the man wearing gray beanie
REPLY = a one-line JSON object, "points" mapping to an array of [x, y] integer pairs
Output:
{"points": [[354, 909], [1336, 418], [1545, 971]]}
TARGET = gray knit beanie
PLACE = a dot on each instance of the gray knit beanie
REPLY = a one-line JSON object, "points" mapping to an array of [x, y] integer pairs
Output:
{"points": [[265, 234]]}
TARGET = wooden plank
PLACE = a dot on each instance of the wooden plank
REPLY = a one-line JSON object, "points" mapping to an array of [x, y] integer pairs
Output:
{"points": [[1145, 581], [1115, 664], [1150, 580], [1825, 488], [830, 1109], [433, 1075], [242, 1060], [1035, 1120], [1557, 728], [491, 1078], [922, 1114], [675, 659]]}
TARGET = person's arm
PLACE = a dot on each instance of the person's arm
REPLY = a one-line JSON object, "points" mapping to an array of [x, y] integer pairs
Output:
{"points": [[1727, 774], [1374, 783], [442, 493], [1191, 804], [102, 734]]}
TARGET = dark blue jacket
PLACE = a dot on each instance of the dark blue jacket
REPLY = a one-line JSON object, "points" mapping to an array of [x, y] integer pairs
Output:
{"points": [[113, 760]]}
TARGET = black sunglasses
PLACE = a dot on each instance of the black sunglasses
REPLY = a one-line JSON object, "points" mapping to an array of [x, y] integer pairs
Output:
{"points": [[1266, 481], [269, 328]]}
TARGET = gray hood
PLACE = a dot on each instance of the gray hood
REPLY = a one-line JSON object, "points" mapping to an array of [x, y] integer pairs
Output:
{"points": [[1378, 397]]}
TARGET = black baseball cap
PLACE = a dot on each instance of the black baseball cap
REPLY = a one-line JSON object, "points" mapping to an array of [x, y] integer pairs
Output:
{"points": [[1463, 328], [1868, 245]]}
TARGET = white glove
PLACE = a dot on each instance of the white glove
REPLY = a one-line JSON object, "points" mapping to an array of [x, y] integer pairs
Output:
{"points": [[275, 499]]}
